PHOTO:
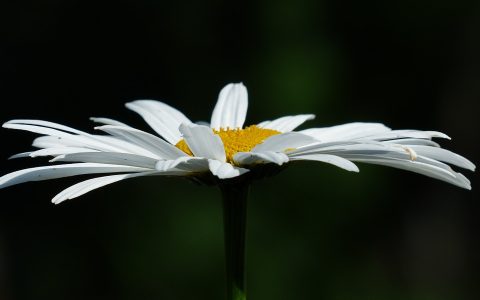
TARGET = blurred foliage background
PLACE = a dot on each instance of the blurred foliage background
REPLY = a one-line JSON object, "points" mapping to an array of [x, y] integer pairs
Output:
{"points": [[314, 232]]}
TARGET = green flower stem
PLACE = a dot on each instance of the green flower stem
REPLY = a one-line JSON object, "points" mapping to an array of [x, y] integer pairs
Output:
{"points": [[235, 220]]}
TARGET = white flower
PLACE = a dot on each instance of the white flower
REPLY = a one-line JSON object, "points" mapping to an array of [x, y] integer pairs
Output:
{"points": [[225, 149]]}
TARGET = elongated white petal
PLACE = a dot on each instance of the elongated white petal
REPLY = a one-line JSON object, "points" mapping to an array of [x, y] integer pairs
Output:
{"points": [[59, 171], [374, 150], [164, 119], [284, 142], [231, 108], [122, 159], [360, 148], [203, 142], [411, 141], [347, 131], [74, 141], [68, 136], [319, 146], [225, 170], [102, 143], [422, 168], [50, 142], [330, 159], [86, 186], [20, 155], [42, 123], [397, 134], [393, 154], [287, 123], [37, 129], [145, 140], [107, 121], [253, 158], [59, 151], [188, 164], [443, 155]]}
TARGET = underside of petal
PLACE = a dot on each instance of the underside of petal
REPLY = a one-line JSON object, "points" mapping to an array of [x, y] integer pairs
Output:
{"points": [[225, 170], [253, 158]]}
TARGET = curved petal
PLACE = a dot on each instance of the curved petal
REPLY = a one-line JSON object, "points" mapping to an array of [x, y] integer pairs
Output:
{"points": [[328, 158], [231, 108], [443, 155], [89, 185], [421, 168], [284, 142], [188, 164], [225, 170], [347, 131], [203, 142], [59, 171], [21, 155], [41, 123], [59, 151], [287, 123], [252, 158], [147, 141], [413, 141], [107, 121], [164, 119], [114, 158], [58, 138], [408, 133]]}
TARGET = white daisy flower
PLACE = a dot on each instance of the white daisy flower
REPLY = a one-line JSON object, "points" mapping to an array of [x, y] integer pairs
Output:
{"points": [[223, 150]]}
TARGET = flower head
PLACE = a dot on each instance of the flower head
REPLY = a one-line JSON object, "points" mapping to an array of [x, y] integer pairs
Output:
{"points": [[223, 150]]}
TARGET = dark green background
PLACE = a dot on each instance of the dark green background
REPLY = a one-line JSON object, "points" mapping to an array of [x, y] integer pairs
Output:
{"points": [[314, 231]]}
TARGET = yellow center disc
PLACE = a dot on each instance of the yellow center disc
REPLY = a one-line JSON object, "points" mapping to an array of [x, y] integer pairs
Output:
{"points": [[236, 140]]}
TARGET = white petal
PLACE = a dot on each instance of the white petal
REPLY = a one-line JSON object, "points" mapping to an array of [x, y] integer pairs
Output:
{"points": [[50, 142], [20, 155], [41, 123], [443, 155], [328, 158], [231, 108], [86, 186], [252, 158], [347, 131], [59, 171], [164, 119], [186, 164], [145, 140], [203, 142], [411, 141], [286, 124], [319, 146], [59, 151], [108, 121], [284, 142], [424, 169], [123, 159], [193, 164], [67, 136], [36, 129], [375, 150], [102, 143], [397, 134], [225, 170]]}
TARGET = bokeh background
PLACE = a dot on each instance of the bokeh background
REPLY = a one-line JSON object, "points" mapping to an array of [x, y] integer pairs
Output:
{"points": [[314, 231]]}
